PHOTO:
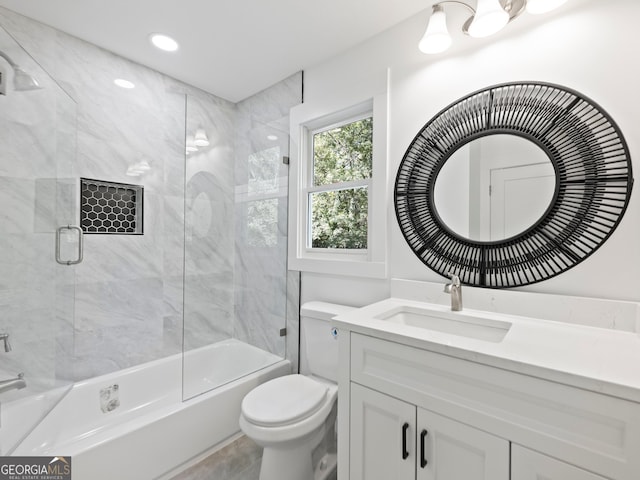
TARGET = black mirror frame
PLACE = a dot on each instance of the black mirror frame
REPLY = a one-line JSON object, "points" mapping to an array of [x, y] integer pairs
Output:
{"points": [[593, 183]]}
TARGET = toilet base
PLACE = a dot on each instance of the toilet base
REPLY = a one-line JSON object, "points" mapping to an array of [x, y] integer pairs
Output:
{"points": [[326, 468], [287, 464], [298, 465]]}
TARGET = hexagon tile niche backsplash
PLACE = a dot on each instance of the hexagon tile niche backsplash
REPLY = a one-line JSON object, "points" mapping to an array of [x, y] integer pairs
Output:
{"points": [[108, 207]]}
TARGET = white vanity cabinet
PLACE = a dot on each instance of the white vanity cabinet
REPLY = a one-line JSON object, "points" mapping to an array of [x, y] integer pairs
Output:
{"points": [[529, 465], [392, 439], [382, 433], [481, 422]]}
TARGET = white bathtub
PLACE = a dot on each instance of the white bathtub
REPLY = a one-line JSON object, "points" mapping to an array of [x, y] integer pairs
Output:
{"points": [[152, 431]]}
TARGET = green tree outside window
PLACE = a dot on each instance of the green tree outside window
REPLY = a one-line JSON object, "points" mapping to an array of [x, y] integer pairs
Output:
{"points": [[342, 156]]}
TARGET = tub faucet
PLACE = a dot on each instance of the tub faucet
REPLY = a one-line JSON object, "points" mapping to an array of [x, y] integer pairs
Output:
{"points": [[455, 290], [5, 338], [13, 383]]}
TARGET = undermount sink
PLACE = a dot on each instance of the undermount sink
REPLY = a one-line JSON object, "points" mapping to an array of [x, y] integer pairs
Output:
{"points": [[455, 323]]}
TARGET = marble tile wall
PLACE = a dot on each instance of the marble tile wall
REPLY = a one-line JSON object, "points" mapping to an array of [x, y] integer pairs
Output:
{"points": [[37, 133], [117, 295], [261, 187], [209, 221], [239, 205], [125, 303]]}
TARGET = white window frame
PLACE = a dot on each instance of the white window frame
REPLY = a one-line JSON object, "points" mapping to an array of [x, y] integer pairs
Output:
{"points": [[306, 120], [309, 188]]}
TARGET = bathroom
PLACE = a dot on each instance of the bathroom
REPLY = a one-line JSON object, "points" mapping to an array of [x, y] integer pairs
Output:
{"points": [[117, 310]]}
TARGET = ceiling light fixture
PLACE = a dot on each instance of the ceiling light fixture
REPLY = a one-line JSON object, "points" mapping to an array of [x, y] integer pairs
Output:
{"points": [[138, 169], [489, 17], [543, 6], [163, 42], [201, 139], [436, 39], [191, 144]]}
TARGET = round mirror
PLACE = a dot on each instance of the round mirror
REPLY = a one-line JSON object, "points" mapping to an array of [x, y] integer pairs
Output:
{"points": [[494, 187], [553, 217]]}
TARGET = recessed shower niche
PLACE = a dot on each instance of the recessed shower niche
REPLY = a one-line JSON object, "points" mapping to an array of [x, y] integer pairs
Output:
{"points": [[109, 207]]}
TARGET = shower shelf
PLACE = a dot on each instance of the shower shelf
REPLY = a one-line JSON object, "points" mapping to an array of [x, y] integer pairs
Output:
{"points": [[110, 207]]}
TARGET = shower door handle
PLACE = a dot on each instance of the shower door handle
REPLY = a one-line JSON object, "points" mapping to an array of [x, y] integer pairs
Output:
{"points": [[80, 245]]}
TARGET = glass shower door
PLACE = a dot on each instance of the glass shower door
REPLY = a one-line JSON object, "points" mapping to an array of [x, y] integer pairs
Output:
{"points": [[235, 276], [37, 196], [261, 234]]}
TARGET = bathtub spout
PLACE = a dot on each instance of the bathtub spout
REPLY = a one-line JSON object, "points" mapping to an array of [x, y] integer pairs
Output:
{"points": [[13, 383]]}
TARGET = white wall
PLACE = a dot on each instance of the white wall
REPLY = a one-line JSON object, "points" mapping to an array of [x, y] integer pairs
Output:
{"points": [[587, 45], [451, 191]]}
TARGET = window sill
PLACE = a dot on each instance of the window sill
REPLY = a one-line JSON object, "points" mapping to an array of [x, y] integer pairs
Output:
{"points": [[337, 266]]}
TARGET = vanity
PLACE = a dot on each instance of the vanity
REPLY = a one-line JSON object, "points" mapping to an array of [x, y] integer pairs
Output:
{"points": [[508, 186], [488, 392]]}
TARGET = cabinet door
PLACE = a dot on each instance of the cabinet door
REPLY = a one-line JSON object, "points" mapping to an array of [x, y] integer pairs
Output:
{"points": [[529, 465], [382, 437], [449, 450]]}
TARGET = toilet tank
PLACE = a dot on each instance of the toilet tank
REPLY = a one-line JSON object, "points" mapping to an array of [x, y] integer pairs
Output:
{"points": [[318, 344]]}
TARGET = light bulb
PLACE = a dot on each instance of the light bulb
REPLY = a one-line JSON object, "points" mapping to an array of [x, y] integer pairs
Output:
{"points": [[201, 139], [436, 37], [191, 144], [138, 169], [490, 18], [122, 83], [132, 171], [543, 6], [143, 166]]}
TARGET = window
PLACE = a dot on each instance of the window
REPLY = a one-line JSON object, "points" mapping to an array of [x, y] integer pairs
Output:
{"points": [[263, 192], [337, 189], [339, 183]]}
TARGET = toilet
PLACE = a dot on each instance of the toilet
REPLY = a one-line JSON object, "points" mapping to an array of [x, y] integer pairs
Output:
{"points": [[291, 415]]}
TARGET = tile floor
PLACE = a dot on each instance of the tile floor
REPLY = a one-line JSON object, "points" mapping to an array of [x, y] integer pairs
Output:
{"points": [[239, 460]]}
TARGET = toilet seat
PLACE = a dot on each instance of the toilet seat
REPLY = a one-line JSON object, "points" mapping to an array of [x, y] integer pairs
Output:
{"points": [[284, 400]]}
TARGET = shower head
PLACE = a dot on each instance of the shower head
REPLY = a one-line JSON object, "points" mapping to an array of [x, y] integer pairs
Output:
{"points": [[22, 81]]}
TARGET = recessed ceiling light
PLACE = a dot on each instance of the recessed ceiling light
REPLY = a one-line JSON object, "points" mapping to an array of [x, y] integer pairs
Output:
{"points": [[121, 82], [272, 137], [164, 42]]}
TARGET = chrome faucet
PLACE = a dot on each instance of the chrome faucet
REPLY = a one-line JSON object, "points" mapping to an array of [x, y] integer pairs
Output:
{"points": [[7, 345], [455, 290], [13, 383]]}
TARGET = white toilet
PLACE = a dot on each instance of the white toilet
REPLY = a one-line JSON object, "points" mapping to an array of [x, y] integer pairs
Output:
{"points": [[288, 416]]}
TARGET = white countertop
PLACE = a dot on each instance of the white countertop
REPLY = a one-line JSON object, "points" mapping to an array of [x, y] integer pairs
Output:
{"points": [[597, 359]]}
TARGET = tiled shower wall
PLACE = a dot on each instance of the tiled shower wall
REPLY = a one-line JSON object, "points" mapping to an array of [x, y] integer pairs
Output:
{"points": [[37, 136], [261, 193], [209, 265], [124, 304], [236, 201]]}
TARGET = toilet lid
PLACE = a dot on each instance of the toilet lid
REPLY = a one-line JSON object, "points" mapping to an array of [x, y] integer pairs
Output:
{"points": [[283, 401]]}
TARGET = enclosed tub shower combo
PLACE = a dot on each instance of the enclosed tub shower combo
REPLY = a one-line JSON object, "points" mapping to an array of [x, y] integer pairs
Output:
{"points": [[144, 289]]}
